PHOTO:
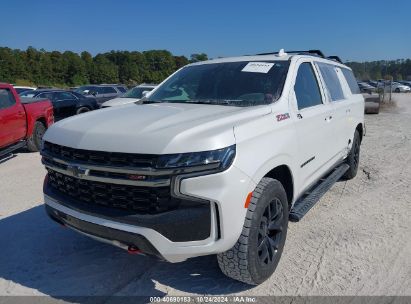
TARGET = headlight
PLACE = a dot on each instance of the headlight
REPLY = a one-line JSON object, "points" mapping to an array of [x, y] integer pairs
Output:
{"points": [[219, 159]]}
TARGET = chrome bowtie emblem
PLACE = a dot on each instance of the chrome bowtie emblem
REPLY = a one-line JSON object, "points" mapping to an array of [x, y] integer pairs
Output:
{"points": [[77, 171]]}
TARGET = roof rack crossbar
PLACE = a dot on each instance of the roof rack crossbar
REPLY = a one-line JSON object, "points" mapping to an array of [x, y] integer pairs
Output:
{"points": [[309, 52], [336, 58]]}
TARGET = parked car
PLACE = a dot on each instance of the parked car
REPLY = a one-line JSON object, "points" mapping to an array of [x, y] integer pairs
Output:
{"points": [[101, 93], [20, 89], [406, 83], [65, 103], [400, 88], [366, 88], [22, 122], [216, 160], [133, 95]]}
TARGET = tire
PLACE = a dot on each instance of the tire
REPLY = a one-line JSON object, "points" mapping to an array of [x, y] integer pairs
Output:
{"points": [[353, 158], [82, 110], [397, 91], [257, 252], [34, 141]]}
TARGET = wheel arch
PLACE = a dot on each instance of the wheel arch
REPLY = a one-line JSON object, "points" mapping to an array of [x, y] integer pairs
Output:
{"points": [[284, 175], [42, 120], [360, 129]]}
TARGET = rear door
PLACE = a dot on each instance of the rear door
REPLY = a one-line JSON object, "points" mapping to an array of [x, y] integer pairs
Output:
{"points": [[109, 93], [313, 117], [12, 119], [331, 76]]}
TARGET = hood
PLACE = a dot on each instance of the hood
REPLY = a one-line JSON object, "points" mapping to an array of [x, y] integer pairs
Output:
{"points": [[153, 128], [119, 101]]}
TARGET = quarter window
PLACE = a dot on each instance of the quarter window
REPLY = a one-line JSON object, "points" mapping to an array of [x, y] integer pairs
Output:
{"points": [[352, 82], [306, 87], [108, 90], [329, 73], [6, 99]]}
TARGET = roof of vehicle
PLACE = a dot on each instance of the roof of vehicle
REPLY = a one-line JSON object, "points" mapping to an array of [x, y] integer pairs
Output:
{"points": [[149, 85], [277, 56], [48, 90], [23, 87]]}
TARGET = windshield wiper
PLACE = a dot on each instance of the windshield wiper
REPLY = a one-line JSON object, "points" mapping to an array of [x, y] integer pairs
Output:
{"points": [[148, 101], [225, 102], [228, 102]]}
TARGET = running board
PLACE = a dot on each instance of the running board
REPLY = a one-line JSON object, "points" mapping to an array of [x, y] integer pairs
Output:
{"points": [[311, 197], [12, 148]]}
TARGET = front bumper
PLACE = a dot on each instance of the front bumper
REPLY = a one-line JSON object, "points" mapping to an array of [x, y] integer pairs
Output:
{"points": [[225, 191]]}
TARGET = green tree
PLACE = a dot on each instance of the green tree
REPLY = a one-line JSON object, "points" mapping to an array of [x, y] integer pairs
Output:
{"points": [[198, 57]]}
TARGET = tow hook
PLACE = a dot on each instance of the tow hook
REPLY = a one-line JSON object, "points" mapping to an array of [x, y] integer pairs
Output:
{"points": [[134, 250]]}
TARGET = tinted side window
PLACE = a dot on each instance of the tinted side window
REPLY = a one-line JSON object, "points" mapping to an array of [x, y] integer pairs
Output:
{"points": [[46, 95], [331, 81], [6, 99], [352, 83], [109, 90], [64, 96], [306, 87], [121, 89]]}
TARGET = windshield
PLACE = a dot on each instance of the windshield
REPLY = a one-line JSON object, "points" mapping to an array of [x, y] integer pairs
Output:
{"points": [[136, 92], [232, 83]]}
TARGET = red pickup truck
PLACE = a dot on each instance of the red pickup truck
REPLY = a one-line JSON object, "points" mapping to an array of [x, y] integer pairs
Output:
{"points": [[22, 121]]}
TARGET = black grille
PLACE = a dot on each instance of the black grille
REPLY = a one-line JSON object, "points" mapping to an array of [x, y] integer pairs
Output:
{"points": [[100, 157], [149, 200]]}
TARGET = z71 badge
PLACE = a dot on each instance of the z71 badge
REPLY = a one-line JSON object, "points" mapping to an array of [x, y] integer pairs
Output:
{"points": [[281, 117]]}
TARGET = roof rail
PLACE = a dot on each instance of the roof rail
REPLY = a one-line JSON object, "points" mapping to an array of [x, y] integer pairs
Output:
{"points": [[335, 58], [309, 52]]}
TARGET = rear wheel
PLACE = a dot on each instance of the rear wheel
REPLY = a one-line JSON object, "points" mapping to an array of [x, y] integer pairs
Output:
{"points": [[257, 252], [34, 141], [82, 110], [353, 158], [397, 90]]}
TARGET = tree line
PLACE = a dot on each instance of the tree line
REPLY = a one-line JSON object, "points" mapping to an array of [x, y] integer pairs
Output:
{"points": [[382, 69], [64, 69]]}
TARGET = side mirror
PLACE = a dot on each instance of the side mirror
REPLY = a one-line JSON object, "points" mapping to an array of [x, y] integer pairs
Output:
{"points": [[145, 93]]}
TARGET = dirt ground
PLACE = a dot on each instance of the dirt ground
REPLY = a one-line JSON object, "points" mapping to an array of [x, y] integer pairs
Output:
{"points": [[355, 241]]}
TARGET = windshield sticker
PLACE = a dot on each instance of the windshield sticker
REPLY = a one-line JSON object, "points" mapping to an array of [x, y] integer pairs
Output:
{"points": [[258, 67]]}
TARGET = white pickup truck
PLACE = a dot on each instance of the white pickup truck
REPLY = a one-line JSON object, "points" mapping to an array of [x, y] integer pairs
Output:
{"points": [[216, 160]]}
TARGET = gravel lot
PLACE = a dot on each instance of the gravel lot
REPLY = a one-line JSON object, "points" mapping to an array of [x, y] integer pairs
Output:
{"points": [[355, 241]]}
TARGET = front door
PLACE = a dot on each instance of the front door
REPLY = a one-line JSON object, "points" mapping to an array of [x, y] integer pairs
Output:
{"points": [[12, 119], [313, 118], [66, 103]]}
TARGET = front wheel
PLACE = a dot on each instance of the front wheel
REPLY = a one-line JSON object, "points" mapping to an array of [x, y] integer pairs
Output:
{"points": [[34, 141], [82, 110], [257, 252]]}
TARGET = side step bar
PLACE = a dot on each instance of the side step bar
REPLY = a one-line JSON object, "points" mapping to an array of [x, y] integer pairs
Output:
{"points": [[311, 197], [12, 148]]}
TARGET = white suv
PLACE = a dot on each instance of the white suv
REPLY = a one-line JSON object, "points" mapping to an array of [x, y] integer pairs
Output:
{"points": [[216, 160]]}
